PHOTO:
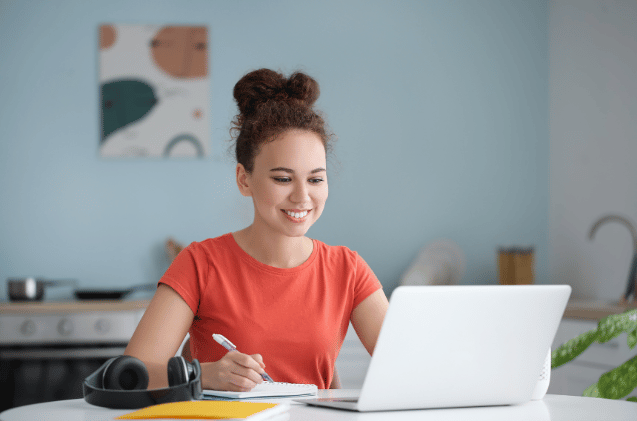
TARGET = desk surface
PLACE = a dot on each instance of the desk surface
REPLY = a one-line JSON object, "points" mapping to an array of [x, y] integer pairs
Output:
{"points": [[551, 408]]}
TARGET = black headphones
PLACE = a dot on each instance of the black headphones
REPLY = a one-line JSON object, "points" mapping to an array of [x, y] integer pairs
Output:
{"points": [[121, 382]]}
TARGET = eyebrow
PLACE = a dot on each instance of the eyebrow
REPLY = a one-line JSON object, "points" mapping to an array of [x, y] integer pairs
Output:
{"points": [[291, 171]]}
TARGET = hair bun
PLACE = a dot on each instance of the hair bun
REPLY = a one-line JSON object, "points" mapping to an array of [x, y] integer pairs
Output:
{"points": [[264, 85], [304, 88]]}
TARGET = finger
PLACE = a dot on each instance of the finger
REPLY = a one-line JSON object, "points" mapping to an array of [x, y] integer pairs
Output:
{"points": [[240, 382], [245, 360], [248, 373], [218, 376], [258, 358]]}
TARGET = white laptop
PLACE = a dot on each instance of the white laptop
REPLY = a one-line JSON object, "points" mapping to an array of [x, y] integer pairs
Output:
{"points": [[459, 346]]}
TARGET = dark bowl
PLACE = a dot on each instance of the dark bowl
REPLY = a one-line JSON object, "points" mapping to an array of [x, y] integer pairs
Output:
{"points": [[98, 294]]}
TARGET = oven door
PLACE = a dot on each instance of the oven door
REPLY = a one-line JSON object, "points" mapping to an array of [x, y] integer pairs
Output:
{"points": [[43, 373]]}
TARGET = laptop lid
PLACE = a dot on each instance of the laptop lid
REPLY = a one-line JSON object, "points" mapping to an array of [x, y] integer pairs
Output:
{"points": [[456, 346]]}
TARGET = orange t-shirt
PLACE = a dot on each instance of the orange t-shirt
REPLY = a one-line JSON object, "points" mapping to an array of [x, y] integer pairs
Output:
{"points": [[295, 318]]}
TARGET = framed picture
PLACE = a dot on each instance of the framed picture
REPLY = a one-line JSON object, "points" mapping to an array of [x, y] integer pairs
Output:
{"points": [[154, 91]]}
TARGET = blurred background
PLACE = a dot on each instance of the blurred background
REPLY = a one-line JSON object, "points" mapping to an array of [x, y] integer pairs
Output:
{"points": [[467, 130], [490, 123]]}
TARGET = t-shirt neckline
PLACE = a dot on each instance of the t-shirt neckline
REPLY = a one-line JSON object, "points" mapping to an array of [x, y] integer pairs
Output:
{"points": [[254, 262]]}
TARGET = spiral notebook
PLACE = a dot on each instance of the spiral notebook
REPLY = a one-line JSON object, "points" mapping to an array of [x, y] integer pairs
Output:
{"points": [[266, 390]]}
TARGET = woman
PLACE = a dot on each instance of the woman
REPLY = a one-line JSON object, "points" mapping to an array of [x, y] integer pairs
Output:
{"points": [[283, 299]]}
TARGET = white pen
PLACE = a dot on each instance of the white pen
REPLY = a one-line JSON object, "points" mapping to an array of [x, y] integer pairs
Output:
{"points": [[224, 342]]}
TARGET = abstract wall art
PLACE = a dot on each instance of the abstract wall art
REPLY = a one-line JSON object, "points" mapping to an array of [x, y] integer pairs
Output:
{"points": [[154, 84]]}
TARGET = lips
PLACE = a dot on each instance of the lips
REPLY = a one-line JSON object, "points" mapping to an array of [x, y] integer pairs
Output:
{"points": [[296, 215]]}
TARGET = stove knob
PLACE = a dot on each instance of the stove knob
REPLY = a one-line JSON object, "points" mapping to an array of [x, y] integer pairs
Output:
{"points": [[102, 326], [65, 327], [27, 328]]}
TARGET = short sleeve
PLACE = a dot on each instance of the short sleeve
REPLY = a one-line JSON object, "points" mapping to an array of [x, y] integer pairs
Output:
{"points": [[185, 276], [366, 281]]}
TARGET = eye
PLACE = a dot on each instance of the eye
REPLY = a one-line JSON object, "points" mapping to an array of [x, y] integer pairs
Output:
{"points": [[315, 180], [281, 179]]}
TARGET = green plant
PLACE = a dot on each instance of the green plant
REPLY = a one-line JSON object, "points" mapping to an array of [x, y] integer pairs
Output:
{"points": [[618, 382]]}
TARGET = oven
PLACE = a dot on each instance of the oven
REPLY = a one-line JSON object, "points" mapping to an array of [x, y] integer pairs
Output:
{"points": [[47, 349]]}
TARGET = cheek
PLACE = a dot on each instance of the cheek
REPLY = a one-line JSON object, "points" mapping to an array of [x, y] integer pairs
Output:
{"points": [[269, 195], [321, 196]]}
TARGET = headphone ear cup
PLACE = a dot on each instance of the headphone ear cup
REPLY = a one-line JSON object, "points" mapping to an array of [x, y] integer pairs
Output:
{"points": [[177, 371], [125, 373]]}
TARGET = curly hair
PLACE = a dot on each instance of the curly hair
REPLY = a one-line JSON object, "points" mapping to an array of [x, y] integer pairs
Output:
{"points": [[270, 104]]}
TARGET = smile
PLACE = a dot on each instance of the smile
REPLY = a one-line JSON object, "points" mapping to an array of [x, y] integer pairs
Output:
{"points": [[295, 216]]}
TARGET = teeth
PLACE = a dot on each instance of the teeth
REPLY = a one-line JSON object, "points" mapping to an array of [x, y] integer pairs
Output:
{"points": [[297, 214]]}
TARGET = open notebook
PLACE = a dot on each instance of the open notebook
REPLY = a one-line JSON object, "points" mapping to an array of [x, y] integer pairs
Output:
{"points": [[266, 390]]}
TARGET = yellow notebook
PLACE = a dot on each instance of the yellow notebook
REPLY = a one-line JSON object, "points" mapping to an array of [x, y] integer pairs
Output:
{"points": [[207, 410]]}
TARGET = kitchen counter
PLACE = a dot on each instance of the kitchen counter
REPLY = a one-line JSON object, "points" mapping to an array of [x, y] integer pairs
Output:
{"points": [[575, 309], [71, 306], [594, 310]]}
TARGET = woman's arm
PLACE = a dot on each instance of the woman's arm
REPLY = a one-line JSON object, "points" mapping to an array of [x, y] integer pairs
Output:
{"points": [[367, 319], [159, 333], [336, 381], [185, 352]]}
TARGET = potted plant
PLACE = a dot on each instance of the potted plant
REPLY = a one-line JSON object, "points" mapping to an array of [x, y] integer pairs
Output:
{"points": [[618, 382]]}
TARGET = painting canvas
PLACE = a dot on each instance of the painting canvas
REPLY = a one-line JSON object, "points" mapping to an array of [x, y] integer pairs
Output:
{"points": [[154, 88]]}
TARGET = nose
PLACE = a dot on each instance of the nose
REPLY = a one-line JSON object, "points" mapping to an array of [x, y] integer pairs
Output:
{"points": [[300, 193]]}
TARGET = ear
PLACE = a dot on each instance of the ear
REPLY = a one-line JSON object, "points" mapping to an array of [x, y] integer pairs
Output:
{"points": [[243, 181]]}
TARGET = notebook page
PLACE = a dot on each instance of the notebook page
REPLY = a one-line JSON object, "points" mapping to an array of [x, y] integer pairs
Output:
{"points": [[265, 389]]}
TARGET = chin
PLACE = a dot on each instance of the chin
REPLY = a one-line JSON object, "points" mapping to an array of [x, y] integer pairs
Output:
{"points": [[296, 233]]}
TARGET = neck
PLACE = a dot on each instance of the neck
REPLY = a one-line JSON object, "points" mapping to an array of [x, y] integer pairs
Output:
{"points": [[274, 249]]}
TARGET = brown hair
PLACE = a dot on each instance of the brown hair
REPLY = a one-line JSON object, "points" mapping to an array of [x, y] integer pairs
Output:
{"points": [[269, 104]]}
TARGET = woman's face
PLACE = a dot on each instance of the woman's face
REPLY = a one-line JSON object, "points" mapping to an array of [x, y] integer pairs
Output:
{"points": [[288, 183]]}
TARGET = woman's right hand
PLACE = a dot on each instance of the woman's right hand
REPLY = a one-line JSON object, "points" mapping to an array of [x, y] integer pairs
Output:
{"points": [[234, 372]]}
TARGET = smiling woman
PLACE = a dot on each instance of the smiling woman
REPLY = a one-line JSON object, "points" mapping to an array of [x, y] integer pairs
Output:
{"points": [[284, 299]]}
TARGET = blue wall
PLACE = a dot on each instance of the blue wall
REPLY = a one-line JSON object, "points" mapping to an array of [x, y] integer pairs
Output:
{"points": [[441, 109]]}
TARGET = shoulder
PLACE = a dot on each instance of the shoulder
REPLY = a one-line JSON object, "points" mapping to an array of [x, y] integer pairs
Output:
{"points": [[340, 262], [211, 243], [210, 247], [337, 254]]}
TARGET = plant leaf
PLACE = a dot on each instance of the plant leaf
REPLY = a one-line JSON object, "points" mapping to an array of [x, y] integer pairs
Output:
{"points": [[632, 399], [591, 391], [619, 381], [571, 349], [614, 325], [632, 339]]}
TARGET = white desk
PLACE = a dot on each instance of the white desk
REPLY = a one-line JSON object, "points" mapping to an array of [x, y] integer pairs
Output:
{"points": [[551, 408]]}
